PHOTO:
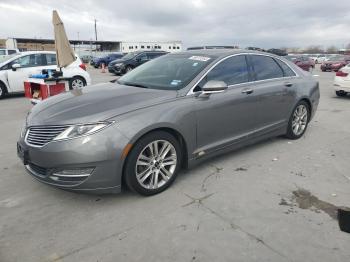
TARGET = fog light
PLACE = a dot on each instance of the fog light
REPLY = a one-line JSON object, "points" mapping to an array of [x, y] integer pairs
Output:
{"points": [[75, 172]]}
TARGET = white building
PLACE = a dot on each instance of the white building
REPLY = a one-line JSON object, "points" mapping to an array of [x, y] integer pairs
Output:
{"points": [[168, 46]]}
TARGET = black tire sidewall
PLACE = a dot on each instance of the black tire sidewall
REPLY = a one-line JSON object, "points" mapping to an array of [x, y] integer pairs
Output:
{"points": [[3, 89], [129, 169], [290, 134], [74, 78]]}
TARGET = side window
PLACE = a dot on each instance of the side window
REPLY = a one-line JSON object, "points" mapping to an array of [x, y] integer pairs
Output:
{"points": [[265, 67], [51, 59], [286, 69], [232, 71], [30, 60], [24, 61], [12, 52]]}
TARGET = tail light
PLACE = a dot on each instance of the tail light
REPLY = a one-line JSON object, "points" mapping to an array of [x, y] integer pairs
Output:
{"points": [[342, 74], [82, 66]]}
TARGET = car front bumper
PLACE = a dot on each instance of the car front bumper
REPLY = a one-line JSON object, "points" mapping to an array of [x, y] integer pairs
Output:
{"points": [[119, 70], [101, 153]]}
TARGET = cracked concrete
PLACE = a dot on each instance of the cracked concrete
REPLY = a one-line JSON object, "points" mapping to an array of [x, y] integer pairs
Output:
{"points": [[232, 208]]}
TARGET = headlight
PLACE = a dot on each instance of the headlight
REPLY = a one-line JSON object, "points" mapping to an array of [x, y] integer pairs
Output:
{"points": [[119, 64], [24, 129], [82, 130]]}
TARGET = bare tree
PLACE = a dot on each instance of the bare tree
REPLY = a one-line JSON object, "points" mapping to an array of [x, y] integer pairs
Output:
{"points": [[314, 49], [332, 49]]}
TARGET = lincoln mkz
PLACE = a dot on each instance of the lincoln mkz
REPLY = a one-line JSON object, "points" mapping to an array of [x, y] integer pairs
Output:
{"points": [[170, 113]]}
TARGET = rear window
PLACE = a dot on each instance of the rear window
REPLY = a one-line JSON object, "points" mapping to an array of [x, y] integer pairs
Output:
{"points": [[265, 67], [286, 69]]}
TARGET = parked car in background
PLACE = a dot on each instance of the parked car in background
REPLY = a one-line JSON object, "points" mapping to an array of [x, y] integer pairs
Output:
{"points": [[6, 52], [133, 60], [86, 58], [342, 81], [173, 112], [318, 59], [278, 52], [15, 70], [301, 61], [97, 62], [212, 47], [334, 63]]}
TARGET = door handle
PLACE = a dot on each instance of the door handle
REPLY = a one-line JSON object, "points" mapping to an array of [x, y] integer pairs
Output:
{"points": [[288, 84], [247, 91]]}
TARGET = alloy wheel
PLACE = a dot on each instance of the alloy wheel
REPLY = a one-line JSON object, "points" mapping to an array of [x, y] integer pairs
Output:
{"points": [[300, 118], [156, 164], [77, 83]]}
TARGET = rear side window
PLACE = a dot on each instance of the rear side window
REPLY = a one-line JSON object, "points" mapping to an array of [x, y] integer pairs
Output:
{"points": [[265, 67], [12, 52], [286, 69], [232, 71], [51, 59]]}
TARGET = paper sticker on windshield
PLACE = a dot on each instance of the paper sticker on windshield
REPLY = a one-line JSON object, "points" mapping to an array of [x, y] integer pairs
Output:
{"points": [[199, 58], [175, 82], [195, 64]]}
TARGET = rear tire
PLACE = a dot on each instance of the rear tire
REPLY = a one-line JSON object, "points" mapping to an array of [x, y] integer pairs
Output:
{"points": [[77, 82], [153, 163], [299, 120], [3, 90], [340, 93]]}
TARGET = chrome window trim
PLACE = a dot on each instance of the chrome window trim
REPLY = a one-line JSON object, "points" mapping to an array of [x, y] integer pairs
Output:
{"points": [[190, 92]]}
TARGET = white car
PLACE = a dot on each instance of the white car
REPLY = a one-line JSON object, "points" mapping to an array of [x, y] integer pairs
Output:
{"points": [[318, 59], [6, 52], [342, 81], [14, 70]]}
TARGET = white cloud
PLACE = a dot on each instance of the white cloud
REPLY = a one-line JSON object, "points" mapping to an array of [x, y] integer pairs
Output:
{"points": [[265, 23]]}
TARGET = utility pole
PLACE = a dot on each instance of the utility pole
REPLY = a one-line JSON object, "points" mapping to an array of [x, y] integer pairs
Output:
{"points": [[95, 30]]}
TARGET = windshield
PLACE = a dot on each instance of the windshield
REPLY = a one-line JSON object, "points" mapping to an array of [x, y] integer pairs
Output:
{"points": [[169, 72], [129, 55], [336, 58]]}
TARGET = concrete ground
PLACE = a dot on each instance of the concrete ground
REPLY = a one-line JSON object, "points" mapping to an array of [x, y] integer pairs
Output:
{"points": [[274, 201]]}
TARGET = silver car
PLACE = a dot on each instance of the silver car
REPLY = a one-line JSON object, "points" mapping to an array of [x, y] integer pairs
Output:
{"points": [[170, 113]]}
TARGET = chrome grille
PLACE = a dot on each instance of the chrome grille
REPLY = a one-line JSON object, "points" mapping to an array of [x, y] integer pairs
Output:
{"points": [[41, 135]]}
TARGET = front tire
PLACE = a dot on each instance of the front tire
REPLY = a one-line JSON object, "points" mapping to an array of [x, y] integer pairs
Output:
{"points": [[128, 69], [153, 163], [298, 121]]}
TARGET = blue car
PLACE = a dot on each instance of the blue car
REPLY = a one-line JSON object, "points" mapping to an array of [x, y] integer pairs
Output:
{"points": [[98, 61]]}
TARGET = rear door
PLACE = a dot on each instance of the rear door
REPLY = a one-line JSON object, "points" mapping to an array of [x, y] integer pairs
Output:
{"points": [[227, 117], [274, 90]]}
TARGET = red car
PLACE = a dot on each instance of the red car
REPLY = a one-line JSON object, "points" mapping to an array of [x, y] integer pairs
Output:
{"points": [[302, 61], [334, 63]]}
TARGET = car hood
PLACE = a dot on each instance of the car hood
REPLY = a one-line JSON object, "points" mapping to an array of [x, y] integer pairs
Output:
{"points": [[119, 60], [95, 103]]}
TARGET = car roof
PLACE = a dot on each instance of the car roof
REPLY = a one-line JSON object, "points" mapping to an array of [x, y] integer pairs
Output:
{"points": [[220, 53], [37, 52]]}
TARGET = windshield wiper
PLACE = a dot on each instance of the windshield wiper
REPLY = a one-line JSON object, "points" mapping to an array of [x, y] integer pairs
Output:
{"points": [[134, 84]]}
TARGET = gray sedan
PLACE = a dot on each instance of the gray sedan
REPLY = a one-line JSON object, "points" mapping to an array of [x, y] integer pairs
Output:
{"points": [[170, 113]]}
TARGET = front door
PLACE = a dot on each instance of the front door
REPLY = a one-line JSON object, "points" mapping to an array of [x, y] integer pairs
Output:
{"points": [[225, 118], [29, 64]]}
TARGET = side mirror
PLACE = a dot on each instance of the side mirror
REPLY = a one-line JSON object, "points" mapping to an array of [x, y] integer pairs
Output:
{"points": [[15, 67], [214, 87]]}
